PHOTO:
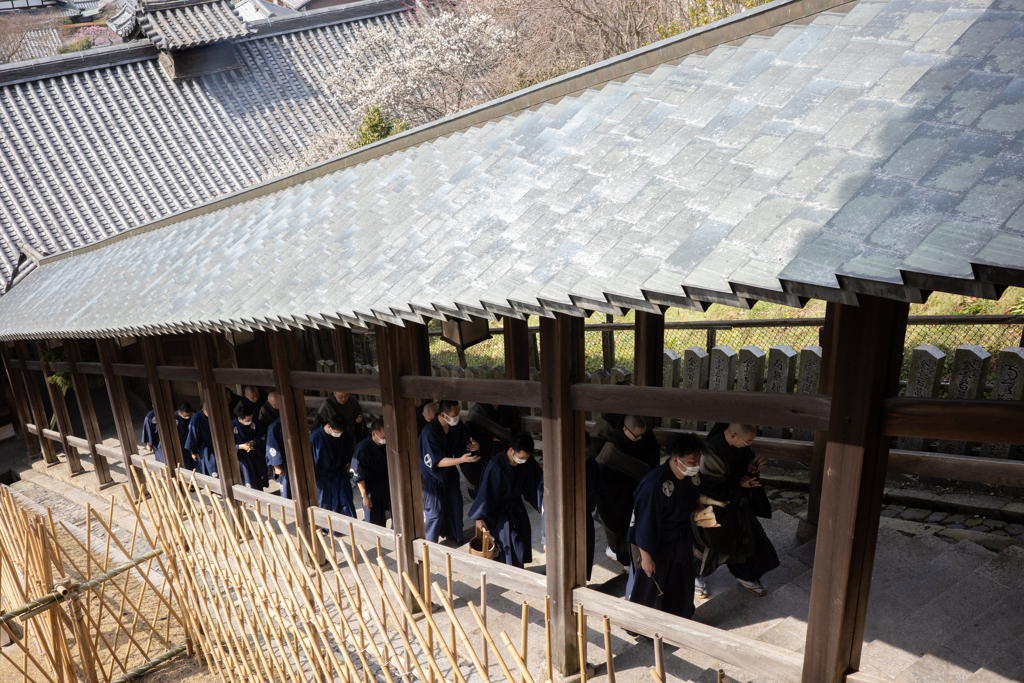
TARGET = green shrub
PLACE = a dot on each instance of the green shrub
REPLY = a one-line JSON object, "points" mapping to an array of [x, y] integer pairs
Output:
{"points": [[377, 125], [75, 46]]}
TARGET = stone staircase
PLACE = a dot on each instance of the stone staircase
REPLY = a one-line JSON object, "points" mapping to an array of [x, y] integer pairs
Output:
{"points": [[941, 611]]}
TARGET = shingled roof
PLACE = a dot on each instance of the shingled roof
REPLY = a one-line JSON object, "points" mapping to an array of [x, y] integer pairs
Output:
{"points": [[878, 152], [183, 24], [98, 142]]}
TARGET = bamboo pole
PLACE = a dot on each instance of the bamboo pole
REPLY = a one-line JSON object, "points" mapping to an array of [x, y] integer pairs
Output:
{"points": [[526, 630], [609, 657], [490, 643], [483, 611], [451, 625], [659, 657], [430, 604], [547, 634], [410, 620], [581, 622], [515, 657], [430, 620], [457, 625]]}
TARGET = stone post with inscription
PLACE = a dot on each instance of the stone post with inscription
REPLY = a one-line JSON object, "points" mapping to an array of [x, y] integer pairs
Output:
{"points": [[671, 367], [807, 382], [927, 365], [1009, 386], [696, 364], [967, 381], [781, 379]]}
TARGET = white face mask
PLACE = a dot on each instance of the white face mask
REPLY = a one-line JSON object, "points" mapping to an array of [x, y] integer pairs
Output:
{"points": [[691, 472], [519, 461], [336, 436], [452, 420], [245, 424], [380, 442]]}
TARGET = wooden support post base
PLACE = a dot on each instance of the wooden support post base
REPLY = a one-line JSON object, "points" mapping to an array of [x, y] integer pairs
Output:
{"points": [[78, 473], [559, 677], [806, 530], [107, 485]]}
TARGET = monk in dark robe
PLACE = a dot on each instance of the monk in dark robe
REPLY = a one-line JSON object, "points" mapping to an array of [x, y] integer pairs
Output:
{"points": [[510, 478], [370, 474], [332, 456], [729, 473]]}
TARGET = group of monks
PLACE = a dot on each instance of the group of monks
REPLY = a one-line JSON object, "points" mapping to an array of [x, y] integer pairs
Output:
{"points": [[671, 518]]}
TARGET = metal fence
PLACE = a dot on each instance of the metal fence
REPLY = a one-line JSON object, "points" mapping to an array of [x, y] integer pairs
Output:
{"points": [[612, 344]]}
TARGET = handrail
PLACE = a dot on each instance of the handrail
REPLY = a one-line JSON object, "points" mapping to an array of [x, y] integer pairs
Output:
{"points": [[734, 649], [519, 580]]}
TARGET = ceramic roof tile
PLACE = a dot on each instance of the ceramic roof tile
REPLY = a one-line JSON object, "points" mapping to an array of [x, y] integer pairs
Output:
{"points": [[882, 151]]}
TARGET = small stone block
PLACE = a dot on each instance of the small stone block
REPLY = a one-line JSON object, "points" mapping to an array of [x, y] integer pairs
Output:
{"points": [[915, 514]]}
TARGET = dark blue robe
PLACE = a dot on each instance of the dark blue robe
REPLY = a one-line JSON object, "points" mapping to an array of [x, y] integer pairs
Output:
{"points": [[275, 456], [200, 441], [182, 424], [331, 459], [499, 502], [151, 435], [662, 506], [370, 464], [252, 465], [442, 495]]}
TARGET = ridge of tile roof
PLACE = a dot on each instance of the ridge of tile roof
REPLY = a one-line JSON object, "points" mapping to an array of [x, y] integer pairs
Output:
{"points": [[878, 152], [182, 24]]}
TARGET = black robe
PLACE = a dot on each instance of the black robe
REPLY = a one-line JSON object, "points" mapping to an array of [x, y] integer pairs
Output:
{"points": [[370, 465], [499, 502], [623, 463], [487, 423], [739, 541]]}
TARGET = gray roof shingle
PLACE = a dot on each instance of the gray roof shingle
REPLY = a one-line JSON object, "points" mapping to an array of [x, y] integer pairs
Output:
{"points": [[878, 152], [99, 142], [183, 24]]}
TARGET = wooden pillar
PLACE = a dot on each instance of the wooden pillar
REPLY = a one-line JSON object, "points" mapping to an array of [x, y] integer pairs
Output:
{"points": [[216, 401], [400, 351], [35, 402], [122, 413], [294, 427], [60, 411], [868, 344], [808, 527], [649, 347], [517, 349], [163, 405], [80, 384], [24, 412], [561, 349], [344, 350]]}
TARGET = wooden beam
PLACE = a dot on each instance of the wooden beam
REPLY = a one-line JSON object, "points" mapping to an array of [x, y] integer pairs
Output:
{"points": [[561, 352], [35, 403], [500, 391], [963, 420], [128, 370], [63, 419], [176, 373], [804, 411], [163, 404], [828, 354], [869, 350], [255, 376], [724, 646], [122, 415], [344, 350], [87, 410], [523, 581], [294, 427], [24, 412], [216, 402], [517, 349], [332, 381], [399, 352], [649, 349]]}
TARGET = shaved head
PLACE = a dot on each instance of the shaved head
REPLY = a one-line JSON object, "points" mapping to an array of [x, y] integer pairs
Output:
{"points": [[635, 423], [743, 430]]}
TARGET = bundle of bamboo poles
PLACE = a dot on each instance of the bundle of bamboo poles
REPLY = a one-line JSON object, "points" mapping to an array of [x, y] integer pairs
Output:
{"points": [[77, 614], [261, 609]]}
